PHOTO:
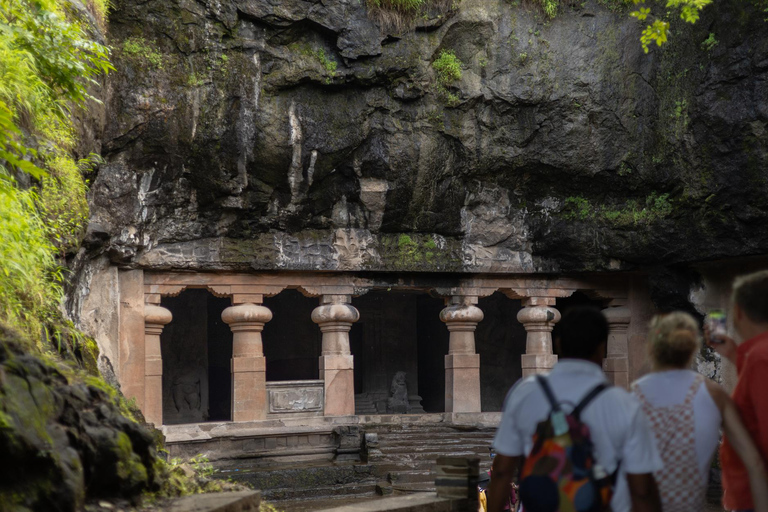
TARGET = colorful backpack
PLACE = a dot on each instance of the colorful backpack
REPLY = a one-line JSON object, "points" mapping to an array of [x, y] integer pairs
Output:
{"points": [[561, 473]]}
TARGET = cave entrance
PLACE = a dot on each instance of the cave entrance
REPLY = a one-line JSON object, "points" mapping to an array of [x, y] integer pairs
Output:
{"points": [[500, 341], [399, 331], [291, 339], [196, 350]]}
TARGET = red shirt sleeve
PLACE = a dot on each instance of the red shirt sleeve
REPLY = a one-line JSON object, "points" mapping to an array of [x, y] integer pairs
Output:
{"points": [[755, 373]]}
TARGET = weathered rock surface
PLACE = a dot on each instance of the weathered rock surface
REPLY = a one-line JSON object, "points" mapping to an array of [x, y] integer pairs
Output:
{"points": [[63, 439], [299, 134]]}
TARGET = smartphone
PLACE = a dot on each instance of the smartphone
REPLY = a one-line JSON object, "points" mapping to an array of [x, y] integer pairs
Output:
{"points": [[716, 322]]}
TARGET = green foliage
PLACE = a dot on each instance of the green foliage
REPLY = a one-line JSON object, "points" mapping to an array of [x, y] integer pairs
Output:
{"points": [[48, 65], [182, 478], [202, 466], [709, 43], [448, 70], [328, 64], [658, 29], [29, 277], [398, 15], [448, 67], [549, 7], [402, 6], [138, 49], [632, 213], [194, 80]]}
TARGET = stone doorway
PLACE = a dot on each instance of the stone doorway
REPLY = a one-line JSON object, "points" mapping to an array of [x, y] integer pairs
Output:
{"points": [[196, 351], [291, 340], [500, 341], [399, 332]]}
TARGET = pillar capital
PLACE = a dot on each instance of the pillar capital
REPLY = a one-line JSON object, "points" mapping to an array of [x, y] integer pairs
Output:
{"points": [[538, 318], [618, 315], [538, 301], [461, 317], [247, 314], [335, 313], [155, 318], [335, 298]]}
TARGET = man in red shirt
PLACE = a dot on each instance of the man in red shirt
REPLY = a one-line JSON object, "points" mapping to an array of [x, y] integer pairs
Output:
{"points": [[750, 319]]}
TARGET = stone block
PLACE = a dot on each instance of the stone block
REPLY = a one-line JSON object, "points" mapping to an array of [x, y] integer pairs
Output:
{"points": [[293, 397]]}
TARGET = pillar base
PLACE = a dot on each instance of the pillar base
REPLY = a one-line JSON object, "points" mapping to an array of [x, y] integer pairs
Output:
{"points": [[249, 388], [337, 372], [617, 371], [462, 383], [537, 363]]}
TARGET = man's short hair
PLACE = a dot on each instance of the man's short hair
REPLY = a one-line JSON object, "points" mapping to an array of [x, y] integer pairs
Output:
{"points": [[581, 331], [750, 292]]}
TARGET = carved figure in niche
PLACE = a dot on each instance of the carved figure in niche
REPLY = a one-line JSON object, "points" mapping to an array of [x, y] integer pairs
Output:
{"points": [[398, 401], [186, 393]]}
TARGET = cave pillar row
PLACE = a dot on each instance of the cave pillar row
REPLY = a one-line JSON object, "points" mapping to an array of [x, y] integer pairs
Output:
{"points": [[616, 363], [462, 364], [335, 316], [539, 318], [249, 382], [155, 318]]}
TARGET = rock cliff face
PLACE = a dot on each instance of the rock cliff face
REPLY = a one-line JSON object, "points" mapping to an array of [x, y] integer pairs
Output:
{"points": [[300, 134]]}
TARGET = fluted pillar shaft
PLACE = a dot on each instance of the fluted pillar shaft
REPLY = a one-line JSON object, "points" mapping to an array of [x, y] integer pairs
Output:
{"points": [[462, 364], [539, 318], [335, 317], [155, 318], [249, 383], [616, 363]]}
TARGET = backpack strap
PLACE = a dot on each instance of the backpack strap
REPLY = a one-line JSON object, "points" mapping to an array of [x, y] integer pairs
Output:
{"points": [[587, 399], [548, 392]]}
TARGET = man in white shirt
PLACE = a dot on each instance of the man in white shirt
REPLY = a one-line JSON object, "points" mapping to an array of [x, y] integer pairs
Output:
{"points": [[619, 430]]}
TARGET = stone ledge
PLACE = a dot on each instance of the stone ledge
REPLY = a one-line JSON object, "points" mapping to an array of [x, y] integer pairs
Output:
{"points": [[242, 501], [422, 503]]}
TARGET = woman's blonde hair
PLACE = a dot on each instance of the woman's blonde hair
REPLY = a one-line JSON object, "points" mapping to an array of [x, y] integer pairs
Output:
{"points": [[673, 339]]}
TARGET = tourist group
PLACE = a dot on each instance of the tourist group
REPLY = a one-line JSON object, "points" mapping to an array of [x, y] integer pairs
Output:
{"points": [[568, 441]]}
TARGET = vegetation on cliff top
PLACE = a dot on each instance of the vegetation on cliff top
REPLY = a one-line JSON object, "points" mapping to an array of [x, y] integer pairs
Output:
{"points": [[48, 64]]}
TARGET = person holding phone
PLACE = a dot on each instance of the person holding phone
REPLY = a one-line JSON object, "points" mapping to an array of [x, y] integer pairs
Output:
{"points": [[750, 354], [686, 411]]}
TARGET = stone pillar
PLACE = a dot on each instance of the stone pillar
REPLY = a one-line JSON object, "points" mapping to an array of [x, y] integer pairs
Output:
{"points": [[249, 380], [462, 364], [538, 318], [155, 317], [335, 316], [616, 365]]}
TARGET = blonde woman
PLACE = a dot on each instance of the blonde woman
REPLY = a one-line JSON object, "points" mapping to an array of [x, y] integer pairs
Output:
{"points": [[686, 412]]}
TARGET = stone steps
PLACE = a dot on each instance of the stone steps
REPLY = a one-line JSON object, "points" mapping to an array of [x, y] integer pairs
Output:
{"points": [[329, 492], [443, 448], [412, 476], [403, 464], [407, 454]]}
